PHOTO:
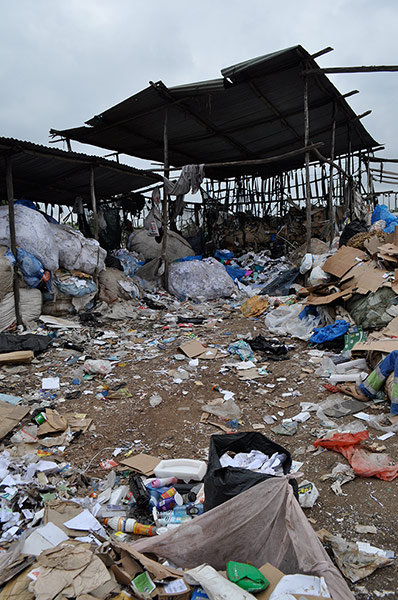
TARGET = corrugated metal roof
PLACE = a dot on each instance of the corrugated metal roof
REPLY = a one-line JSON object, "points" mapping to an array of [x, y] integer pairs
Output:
{"points": [[254, 111], [50, 175]]}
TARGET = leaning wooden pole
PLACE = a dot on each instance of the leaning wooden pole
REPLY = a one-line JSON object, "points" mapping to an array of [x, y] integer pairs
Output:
{"points": [[307, 166], [94, 203], [330, 194], [165, 201], [13, 239]]}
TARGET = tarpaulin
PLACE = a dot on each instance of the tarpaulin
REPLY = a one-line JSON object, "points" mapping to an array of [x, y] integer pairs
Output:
{"points": [[263, 524]]}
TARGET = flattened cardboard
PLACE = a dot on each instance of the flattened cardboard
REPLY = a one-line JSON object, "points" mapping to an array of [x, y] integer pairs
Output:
{"points": [[319, 300], [373, 244], [364, 278], [142, 463], [61, 511], [390, 330], [385, 346], [341, 262], [10, 416], [192, 349], [274, 575]]}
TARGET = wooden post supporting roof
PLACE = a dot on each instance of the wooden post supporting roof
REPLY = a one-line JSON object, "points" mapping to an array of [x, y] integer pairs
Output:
{"points": [[13, 240], [330, 194], [165, 201], [307, 166], [94, 203]]}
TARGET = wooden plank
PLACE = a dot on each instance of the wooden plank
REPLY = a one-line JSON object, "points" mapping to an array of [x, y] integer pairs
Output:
{"points": [[18, 357]]}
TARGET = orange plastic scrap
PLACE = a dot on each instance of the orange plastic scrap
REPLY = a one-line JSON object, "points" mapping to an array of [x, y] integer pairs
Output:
{"points": [[363, 462], [254, 306]]}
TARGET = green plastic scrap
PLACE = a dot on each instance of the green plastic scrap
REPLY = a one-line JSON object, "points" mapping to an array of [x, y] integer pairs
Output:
{"points": [[247, 577]]}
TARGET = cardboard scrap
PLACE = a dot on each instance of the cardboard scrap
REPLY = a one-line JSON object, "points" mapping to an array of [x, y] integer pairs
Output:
{"points": [[364, 278], [69, 570], [59, 512], [274, 575], [383, 345], [319, 300], [54, 423], [10, 416], [142, 463], [207, 420], [192, 349], [343, 260]]}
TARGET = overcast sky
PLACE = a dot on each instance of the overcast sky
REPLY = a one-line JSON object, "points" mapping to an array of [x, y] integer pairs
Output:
{"points": [[63, 61]]}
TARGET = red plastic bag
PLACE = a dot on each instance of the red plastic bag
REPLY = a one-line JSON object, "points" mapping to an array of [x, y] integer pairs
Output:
{"points": [[363, 462]]}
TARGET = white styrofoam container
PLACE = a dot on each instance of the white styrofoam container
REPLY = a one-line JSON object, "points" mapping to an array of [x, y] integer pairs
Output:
{"points": [[182, 468]]}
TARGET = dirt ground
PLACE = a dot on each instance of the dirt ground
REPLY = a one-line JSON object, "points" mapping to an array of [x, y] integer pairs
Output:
{"points": [[144, 351]]}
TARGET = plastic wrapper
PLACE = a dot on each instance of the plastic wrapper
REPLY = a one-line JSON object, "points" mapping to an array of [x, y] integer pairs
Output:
{"points": [[207, 280], [263, 524], [33, 234], [318, 276]]}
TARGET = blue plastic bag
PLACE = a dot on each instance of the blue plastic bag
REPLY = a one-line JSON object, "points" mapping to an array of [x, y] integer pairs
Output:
{"points": [[235, 272], [31, 267], [330, 332], [223, 255], [381, 213]]}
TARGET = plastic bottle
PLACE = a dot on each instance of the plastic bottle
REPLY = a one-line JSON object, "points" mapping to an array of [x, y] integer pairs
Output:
{"points": [[156, 483], [169, 493], [130, 526]]}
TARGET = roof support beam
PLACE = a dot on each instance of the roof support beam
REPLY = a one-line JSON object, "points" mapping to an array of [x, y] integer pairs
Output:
{"points": [[364, 69], [165, 93]]}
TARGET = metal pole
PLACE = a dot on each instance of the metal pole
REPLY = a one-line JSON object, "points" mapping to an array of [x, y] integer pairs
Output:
{"points": [[13, 240], [165, 200]]}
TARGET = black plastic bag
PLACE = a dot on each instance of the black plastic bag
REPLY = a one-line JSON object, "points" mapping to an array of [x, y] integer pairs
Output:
{"points": [[223, 483], [352, 229], [13, 342], [281, 284]]}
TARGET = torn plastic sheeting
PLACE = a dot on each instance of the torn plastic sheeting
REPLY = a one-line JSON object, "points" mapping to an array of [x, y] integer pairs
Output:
{"points": [[272, 528], [330, 332], [285, 320], [363, 462], [353, 562]]}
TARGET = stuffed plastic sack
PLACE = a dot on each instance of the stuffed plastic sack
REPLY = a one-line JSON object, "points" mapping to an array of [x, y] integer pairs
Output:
{"points": [[263, 524], [364, 462], [33, 234], [196, 279]]}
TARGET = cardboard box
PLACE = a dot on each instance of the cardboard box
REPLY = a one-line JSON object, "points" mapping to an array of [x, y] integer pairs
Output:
{"points": [[274, 575]]}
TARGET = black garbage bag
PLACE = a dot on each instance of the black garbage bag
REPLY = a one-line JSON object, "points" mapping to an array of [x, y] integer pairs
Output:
{"points": [[223, 483], [13, 342], [352, 229], [272, 348], [280, 285]]}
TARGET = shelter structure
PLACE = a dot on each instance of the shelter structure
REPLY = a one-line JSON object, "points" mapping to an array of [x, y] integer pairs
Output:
{"points": [[257, 130], [49, 175]]}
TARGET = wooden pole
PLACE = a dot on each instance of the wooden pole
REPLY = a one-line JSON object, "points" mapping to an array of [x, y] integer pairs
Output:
{"points": [[363, 69], [94, 203], [13, 239], [307, 166], [330, 195], [165, 200]]}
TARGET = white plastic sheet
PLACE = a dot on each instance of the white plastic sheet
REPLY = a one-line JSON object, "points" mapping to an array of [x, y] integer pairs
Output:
{"points": [[263, 524]]}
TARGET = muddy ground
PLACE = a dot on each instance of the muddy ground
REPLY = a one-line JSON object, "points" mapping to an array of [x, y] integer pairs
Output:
{"points": [[144, 350]]}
